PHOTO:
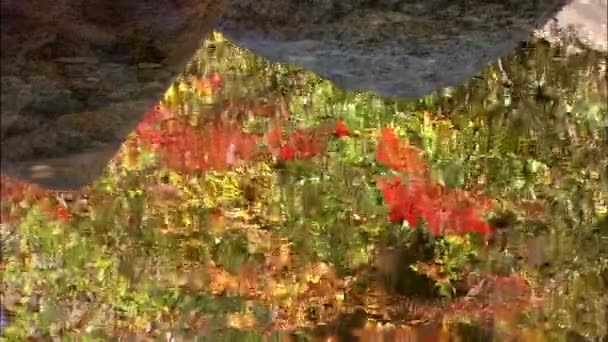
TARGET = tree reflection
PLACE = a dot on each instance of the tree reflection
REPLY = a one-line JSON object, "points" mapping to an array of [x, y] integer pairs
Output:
{"points": [[259, 199]]}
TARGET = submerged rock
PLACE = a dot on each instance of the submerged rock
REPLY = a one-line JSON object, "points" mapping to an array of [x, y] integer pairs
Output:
{"points": [[78, 75], [393, 47]]}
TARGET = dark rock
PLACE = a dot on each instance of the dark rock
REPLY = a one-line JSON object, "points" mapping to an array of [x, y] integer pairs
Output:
{"points": [[394, 47], [78, 75]]}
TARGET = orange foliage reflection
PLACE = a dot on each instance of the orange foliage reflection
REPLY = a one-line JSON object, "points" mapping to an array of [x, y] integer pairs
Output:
{"points": [[398, 154]]}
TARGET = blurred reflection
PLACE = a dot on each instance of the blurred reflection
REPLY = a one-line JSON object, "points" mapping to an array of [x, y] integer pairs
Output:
{"points": [[256, 198]]}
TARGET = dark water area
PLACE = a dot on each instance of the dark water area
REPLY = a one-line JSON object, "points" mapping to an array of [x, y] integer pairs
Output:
{"points": [[259, 202]]}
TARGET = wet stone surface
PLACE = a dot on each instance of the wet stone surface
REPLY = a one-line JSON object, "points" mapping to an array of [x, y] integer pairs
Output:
{"points": [[78, 75], [407, 48]]}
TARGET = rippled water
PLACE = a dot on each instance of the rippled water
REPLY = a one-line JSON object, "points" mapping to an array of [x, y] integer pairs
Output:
{"points": [[257, 200]]}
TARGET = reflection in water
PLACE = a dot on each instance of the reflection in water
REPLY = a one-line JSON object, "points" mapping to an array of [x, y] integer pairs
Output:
{"points": [[259, 199]]}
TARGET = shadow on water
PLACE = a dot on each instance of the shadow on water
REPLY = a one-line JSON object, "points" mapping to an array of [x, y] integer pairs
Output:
{"points": [[257, 201]]}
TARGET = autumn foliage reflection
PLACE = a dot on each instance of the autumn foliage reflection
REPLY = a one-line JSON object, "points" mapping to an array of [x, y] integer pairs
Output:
{"points": [[444, 210], [17, 197], [398, 154], [216, 145], [303, 143]]}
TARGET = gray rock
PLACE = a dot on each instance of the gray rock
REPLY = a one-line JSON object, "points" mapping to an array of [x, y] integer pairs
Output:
{"points": [[78, 75], [587, 20], [394, 47]]}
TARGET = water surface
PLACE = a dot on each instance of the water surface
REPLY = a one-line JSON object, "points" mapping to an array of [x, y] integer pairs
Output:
{"points": [[258, 201]]}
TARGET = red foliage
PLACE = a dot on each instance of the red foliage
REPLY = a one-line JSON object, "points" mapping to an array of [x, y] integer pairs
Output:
{"points": [[444, 210], [286, 152], [306, 143], [399, 154], [215, 146], [16, 191], [61, 212], [13, 191], [341, 129], [300, 144], [401, 200], [148, 129]]}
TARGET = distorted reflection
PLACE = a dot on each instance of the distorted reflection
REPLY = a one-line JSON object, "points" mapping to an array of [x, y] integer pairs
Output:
{"points": [[259, 199]]}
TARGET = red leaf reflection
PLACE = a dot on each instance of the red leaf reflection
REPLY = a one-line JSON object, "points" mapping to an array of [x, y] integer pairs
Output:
{"points": [[62, 213], [300, 144], [215, 146], [399, 154], [286, 153], [341, 129], [444, 210]]}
